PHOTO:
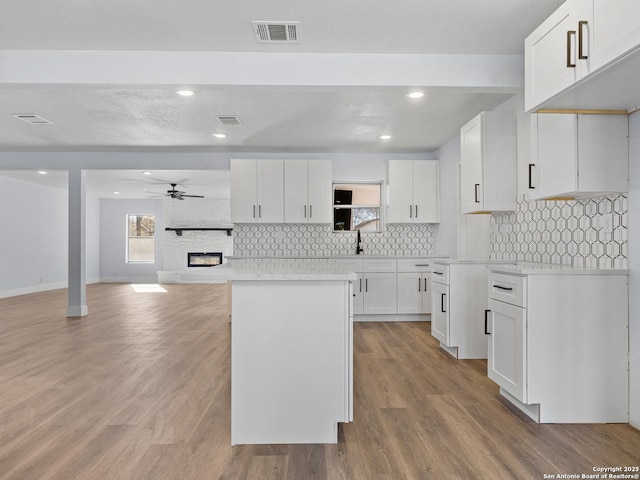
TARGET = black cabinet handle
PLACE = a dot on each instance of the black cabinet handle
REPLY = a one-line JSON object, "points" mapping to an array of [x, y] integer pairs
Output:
{"points": [[477, 185], [425, 284], [531, 165], [366, 284], [416, 211], [438, 273], [581, 55], [360, 285], [410, 211], [305, 211], [503, 288], [570, 33], [310, 211], [486, 318], [442, 295], [254, 211], [419, 285]]}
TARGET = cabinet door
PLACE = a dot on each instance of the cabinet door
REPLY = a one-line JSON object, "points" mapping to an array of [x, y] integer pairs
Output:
{"points": [[551, 56], [612, 30], [380, 294], [553, 155], [358, 295], [401, 203], [471, 184], [296, 208], [506, 362], [320, 191], [270, 191], [244, 191], [440, 312], [425, 192], [409, 293]]}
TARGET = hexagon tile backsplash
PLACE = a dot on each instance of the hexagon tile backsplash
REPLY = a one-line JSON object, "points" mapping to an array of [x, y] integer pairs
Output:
{"points": [[283, 240], [587, 233]]}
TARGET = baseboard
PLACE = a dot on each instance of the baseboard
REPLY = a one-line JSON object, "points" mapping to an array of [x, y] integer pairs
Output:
{"points": [[42, 287], [398, 317]]}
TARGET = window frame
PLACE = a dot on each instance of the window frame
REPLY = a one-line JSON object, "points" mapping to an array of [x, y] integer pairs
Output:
{"points": [[128, 238], [380, 206]]}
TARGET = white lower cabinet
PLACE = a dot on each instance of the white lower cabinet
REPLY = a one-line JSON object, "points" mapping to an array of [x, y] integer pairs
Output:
{"points": [[387, 285], [459, 303], [558, 343], [414, 286], [379, 292], [440, 312], [507, 357]]}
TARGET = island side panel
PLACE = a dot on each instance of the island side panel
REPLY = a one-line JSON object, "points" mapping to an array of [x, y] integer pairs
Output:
{"points": [[289, 361]]}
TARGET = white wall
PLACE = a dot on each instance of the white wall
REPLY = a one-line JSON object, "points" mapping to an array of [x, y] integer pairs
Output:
{"points": [[634, 267], [113, 241], [446, 233], [34, 233]]}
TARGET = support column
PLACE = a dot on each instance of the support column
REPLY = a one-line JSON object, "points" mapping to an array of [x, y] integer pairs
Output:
{"points": [[77, 303]]}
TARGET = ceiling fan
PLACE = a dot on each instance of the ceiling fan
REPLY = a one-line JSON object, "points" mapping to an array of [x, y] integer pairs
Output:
{"points": [[176, 194]]}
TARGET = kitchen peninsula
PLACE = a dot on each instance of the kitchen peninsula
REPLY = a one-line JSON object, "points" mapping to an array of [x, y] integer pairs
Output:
{"points": [[291, 348]]}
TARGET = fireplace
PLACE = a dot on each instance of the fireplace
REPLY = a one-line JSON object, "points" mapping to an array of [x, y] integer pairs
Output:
{"points": [[204, 259]]}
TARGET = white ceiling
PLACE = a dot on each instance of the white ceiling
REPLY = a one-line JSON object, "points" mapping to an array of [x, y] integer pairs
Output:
{"points": [[332, 116]]}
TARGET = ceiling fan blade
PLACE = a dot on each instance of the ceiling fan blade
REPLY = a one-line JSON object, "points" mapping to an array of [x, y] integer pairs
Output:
{"points": [[193, 196]]}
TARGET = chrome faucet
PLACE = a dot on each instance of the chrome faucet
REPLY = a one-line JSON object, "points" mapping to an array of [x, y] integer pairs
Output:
{"points": [[359, 249]]}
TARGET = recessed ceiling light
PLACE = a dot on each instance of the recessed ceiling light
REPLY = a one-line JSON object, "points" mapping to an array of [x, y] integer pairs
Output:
{"points": [[220, 135], [116, 193], [185, 93], [385, 137], [147, 173], [42, 172], [415, 95]]}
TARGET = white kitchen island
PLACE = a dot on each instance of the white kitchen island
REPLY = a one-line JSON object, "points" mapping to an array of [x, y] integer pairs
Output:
{"points": [[291, 348]]}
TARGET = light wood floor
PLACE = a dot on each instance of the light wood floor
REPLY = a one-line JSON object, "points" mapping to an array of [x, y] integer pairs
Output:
{"points": [[139, 389]]}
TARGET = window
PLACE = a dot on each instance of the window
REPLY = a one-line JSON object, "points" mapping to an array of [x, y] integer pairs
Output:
{"points": [[141, 231], [356, 206]]}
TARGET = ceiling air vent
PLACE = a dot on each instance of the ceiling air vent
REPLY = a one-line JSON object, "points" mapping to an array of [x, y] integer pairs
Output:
{"points": [[229, 119], [32, 118], [277, 32]]}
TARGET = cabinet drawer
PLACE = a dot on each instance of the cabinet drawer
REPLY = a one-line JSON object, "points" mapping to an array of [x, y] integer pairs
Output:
{"points": [[440, 273], [410, 265], [352, 264], [510, 289], [380, 265]]}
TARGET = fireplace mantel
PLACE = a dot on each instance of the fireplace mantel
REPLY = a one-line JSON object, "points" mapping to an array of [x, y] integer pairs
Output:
{"points": [[179, 230]]}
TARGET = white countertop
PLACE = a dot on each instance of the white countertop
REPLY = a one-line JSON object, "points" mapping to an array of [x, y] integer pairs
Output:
{"points": [[455, 261], [271, 269], [529, 268], [334, 257]]}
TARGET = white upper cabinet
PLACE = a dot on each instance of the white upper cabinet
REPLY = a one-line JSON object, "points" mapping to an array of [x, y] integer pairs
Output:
{"points": [[257, 191], [580, 38], [488, 163], [610, 30], [307, 191], [413, 191], [578, 156], [550, 63]]}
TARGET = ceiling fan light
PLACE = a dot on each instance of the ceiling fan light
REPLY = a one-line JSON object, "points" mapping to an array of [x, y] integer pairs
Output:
{"points": [[42, 172], [415, 95], [185, 93], [385, 137], [220, 135]]}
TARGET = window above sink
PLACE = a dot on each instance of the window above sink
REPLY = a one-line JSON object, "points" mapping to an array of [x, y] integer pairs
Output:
{"points": [[356, 206]]}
